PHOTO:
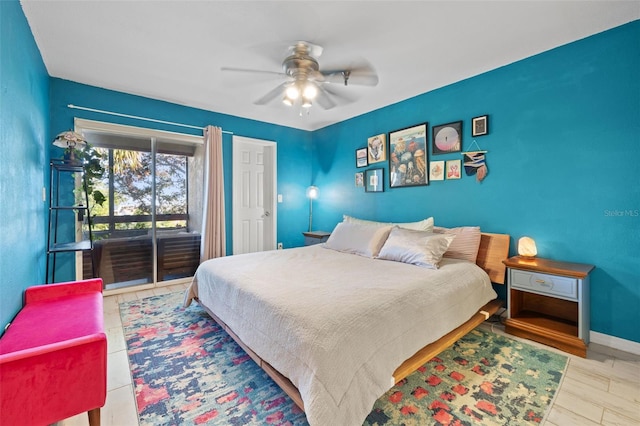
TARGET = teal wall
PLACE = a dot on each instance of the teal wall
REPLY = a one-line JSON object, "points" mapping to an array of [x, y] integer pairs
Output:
{"points": [[563, 143], [563, 153], [294, 146], [24, 121]]}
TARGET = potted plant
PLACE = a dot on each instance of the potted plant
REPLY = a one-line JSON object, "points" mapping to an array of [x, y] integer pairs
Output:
{"points": [[78, 151]]}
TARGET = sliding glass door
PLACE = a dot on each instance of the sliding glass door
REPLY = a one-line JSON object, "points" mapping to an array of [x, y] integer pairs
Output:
{"points": [[148, 229]]}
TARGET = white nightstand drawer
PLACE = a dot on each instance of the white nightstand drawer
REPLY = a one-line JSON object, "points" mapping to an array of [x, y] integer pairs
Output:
{"points": [[545, 283]]}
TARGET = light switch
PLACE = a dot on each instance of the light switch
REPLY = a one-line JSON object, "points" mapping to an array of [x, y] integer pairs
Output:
{"points": [[279, 198]]}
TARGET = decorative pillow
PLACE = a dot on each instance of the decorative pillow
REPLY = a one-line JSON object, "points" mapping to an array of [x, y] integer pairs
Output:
{"points": [[364, 240], [466, 244], [415, 247], [422, 225]]}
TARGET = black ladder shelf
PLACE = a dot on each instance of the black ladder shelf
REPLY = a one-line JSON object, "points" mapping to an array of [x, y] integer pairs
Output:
{"points": [[66, 207]]}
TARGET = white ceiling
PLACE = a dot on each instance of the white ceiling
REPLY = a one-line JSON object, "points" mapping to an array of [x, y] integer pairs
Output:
{"points": [[173, 50]]}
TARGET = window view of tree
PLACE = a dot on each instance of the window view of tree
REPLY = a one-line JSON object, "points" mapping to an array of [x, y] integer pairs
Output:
{"points": [[137, 199], [128, 181]]}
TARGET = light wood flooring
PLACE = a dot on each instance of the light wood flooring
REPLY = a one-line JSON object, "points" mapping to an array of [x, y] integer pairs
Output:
{"points": [[603, 389]]}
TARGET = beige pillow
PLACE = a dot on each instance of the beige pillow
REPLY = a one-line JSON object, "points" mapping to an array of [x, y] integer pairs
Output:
{"points": [[422, 225], [415, 247], [466, 244], [364, 240]]}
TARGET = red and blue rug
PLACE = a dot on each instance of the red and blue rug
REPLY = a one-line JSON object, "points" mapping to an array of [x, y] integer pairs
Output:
{"points": [[186, 370]]}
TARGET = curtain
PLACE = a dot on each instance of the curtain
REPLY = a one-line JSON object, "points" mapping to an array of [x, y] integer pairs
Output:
{"points": [[213, 243]]}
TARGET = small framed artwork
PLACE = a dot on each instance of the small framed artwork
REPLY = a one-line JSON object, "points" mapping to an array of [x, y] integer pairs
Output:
{"points": [[377, 148], [453, 169], [480, 125], [373, 180], [359, 179], [447, 138], [361, 157], [408, 157], [436, 170]]}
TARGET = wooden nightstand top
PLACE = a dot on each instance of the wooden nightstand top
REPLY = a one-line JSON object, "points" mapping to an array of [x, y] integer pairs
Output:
{"points": [[316, 234], [537, 264]]}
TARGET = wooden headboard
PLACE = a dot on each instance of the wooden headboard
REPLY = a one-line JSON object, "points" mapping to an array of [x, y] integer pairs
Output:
{"points": [[494, 248]]}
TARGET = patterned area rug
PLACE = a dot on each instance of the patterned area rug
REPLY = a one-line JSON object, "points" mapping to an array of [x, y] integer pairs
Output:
{"points": [[187, 371]]}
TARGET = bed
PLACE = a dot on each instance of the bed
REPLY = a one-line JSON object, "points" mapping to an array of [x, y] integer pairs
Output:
{"points": [[336, 330]]}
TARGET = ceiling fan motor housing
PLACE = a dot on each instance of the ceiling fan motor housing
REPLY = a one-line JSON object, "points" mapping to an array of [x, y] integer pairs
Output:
{"points": [[300, 65]]}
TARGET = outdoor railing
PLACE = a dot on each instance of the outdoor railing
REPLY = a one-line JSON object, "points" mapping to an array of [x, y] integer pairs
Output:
{"points": [[126, 256]]}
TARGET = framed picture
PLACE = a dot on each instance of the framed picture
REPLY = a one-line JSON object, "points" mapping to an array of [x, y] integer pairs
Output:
{"points": [[377, 146], [359, 179], [373, 180], [408, 157], [361, 157], [436, 170], [447, 138], [480, 125], [453, 169]]}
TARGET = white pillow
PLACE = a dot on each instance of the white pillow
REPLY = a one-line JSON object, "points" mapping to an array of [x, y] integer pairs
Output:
{"points": [[415, 247], [466, 244], [364, 240], [422, 225]]}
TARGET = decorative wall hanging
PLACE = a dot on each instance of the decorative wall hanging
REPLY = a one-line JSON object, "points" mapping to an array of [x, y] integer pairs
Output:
{"points": [[447, 138], [453, 169], [475, 163], [361, 157], [436, 170], [373, 180], [360, 179], [408, 157], [377, 148], [480, 125]]}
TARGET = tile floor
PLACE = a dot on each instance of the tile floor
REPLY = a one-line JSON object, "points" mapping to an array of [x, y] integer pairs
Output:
{"points": [[603, 389]]}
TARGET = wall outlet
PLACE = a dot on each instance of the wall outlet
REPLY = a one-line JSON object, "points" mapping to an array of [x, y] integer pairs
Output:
{"points": [[280, 246]]}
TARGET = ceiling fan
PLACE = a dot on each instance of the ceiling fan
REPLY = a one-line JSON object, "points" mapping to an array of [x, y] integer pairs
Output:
{"points": [[306, 84]]}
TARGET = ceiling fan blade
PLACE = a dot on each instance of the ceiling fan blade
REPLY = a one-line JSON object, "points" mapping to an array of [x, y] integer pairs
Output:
{"points": [[338, 94], [250, 71], [351, 77], [271, 95], [324, 98], [358, 73]]}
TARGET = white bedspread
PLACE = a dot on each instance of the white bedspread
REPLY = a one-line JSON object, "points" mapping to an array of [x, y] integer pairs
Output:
{"points": [[337, 325]]}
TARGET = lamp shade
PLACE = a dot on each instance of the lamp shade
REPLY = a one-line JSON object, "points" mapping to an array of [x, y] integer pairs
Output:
{"points": [[69, 139], [527, 247], [313, 192]]}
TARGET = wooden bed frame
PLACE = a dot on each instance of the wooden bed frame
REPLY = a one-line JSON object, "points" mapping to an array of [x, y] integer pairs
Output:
{"points": [[494, 248]]}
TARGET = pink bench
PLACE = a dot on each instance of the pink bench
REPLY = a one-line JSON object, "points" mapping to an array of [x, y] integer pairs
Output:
{"points": [[53, 357]]}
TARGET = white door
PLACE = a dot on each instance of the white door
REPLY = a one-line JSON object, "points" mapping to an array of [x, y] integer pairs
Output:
{"points": [[254, 195]]}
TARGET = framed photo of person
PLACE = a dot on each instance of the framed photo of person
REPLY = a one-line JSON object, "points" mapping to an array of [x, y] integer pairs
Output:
{"points": [[377, 148]]}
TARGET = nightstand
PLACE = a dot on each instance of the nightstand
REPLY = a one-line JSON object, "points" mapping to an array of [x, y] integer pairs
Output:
{"points": [[548, 301], [315, 237]]}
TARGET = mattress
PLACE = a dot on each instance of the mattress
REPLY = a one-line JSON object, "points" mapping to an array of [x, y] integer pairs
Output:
{"points": [[337, 324]]}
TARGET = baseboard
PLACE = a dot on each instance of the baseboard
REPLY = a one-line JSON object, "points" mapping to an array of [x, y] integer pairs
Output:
{"points": [[615, 342]]}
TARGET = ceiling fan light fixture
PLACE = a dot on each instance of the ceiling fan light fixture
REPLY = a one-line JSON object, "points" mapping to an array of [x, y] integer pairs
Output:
{"points": [[310, 91], [292, 93], [306, 103], [287, 101]]}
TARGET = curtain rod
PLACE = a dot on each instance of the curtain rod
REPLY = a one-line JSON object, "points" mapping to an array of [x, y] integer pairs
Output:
{"points": [[140, 118]]}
